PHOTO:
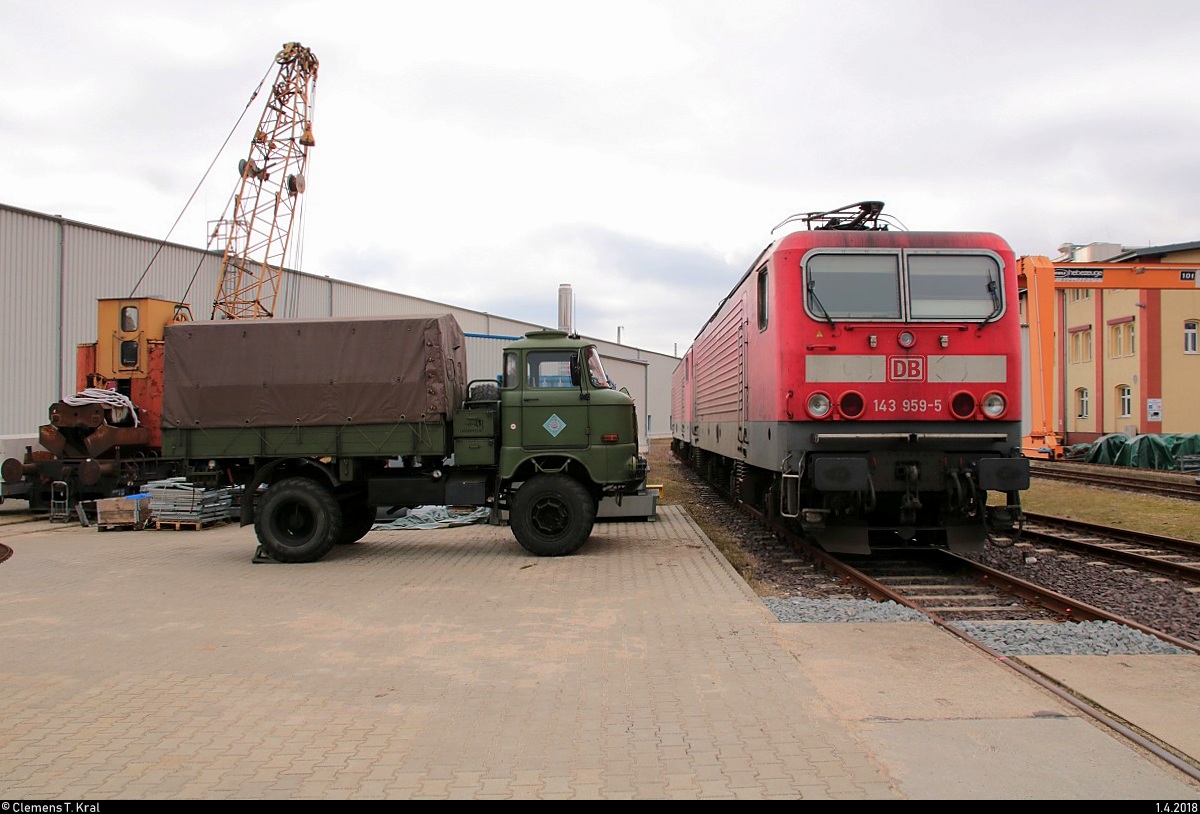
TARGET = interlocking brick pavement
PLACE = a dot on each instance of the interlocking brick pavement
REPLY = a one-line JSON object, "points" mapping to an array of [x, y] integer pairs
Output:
{"points": [[441, 664]]}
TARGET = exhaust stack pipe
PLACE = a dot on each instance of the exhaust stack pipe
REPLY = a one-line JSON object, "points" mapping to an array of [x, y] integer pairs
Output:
{"points": [[566, 308]]}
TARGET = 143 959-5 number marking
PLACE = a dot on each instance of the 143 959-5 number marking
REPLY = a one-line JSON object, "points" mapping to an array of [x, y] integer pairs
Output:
{"points": [[906, 405]]}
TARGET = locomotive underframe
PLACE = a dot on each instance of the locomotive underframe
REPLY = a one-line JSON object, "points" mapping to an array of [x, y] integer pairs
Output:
{"points": [[858, 488]]}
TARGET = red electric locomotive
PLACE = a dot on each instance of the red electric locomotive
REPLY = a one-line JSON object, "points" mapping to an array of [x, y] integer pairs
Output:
{"points": [[865, 384]]}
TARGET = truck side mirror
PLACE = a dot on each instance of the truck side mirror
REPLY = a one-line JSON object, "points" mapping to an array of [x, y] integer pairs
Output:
{"points": [[577, 378]]}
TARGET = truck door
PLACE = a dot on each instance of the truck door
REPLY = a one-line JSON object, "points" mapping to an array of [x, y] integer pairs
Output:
{"points": [[554, 403]]}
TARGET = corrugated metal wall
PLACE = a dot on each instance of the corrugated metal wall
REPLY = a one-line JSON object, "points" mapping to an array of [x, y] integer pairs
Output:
{"points": [[31, 303], [53, 270]]}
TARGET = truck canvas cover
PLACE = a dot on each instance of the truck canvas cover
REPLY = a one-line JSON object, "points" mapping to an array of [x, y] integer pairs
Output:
{"points": [[313, 372]]}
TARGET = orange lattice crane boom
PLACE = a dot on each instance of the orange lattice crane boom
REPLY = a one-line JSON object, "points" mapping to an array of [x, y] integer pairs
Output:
{"points": [[269, 192]]}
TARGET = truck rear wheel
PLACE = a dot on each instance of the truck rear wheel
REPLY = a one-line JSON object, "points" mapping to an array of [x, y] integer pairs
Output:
{"points": [[299, 520], [552, 515]]}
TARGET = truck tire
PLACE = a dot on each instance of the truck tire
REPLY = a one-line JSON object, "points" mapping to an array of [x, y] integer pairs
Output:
{"points": [[552, 515], [357, 520], [299, 520]]}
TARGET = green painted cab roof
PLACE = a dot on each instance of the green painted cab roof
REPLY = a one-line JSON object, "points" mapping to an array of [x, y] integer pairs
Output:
{"points": [[550, 339]]}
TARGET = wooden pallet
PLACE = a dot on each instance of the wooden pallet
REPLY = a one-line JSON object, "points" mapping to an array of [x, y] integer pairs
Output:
{"points": [[179, 525], [119, 527]]}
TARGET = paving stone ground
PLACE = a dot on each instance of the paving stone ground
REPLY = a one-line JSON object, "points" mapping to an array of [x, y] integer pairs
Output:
{"points": [[414, 664], [450, 664]]}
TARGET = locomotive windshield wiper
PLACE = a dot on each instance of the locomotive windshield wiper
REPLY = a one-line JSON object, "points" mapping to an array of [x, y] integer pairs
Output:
{"points": [[815, 300], [993, 287]]}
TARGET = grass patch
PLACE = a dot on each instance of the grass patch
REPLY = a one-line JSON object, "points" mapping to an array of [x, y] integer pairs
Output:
{"points": [[1110, 507]]}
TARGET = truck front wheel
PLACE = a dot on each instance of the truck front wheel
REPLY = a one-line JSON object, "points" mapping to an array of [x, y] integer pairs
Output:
{"points": [[552, 515], [357, 519], [299, 520]]}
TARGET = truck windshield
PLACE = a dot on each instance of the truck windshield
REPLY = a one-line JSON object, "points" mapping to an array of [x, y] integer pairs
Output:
{"points": [[596, 370], [902, 286]]}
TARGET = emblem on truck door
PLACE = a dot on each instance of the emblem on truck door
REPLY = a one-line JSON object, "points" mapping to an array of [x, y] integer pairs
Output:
{"points": [[554, 425]]}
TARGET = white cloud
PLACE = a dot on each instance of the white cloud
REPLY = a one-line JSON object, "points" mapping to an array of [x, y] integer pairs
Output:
{"points": [[482, 153]]}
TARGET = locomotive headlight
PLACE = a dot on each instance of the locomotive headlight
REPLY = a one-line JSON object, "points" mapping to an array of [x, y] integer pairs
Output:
{"points": [[994, 405], [906, 339], [819, 405]]}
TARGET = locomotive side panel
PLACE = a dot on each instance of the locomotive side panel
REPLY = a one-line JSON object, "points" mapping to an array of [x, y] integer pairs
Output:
{"points": [[681, 399], [719, 365]]}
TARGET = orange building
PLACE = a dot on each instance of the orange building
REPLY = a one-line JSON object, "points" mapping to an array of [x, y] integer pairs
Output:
{"points": [[1129, 359]]}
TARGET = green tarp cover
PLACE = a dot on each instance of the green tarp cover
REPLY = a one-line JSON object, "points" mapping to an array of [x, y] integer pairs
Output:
{"points": [[1106, 449], [1146, 452]]}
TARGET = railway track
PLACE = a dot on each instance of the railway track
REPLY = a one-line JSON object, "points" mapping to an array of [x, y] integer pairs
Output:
{"points": [[965, 597], [1154, 482], [1057, 569], [1170, 556], [1016, 584], [952, 590]]}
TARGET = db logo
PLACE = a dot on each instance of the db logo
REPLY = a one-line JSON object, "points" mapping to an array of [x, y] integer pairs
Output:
{"points": [[906, 368]]}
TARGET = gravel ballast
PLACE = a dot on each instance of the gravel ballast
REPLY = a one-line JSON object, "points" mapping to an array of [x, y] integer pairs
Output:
{"points": [[1007, 638]]}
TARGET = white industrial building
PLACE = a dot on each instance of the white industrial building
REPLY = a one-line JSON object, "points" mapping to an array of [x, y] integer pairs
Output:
{"points": [[53, 271]]}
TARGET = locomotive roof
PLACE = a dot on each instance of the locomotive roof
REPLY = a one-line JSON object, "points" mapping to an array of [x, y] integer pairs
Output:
{"points": [[866, 239], [879, 239]]}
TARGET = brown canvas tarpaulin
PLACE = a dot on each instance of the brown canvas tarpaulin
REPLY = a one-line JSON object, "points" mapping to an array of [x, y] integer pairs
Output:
{"points": [[313, 372]]}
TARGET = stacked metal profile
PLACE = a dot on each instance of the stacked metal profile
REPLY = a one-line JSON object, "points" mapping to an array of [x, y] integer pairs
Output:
{"points": [[176, 501]]}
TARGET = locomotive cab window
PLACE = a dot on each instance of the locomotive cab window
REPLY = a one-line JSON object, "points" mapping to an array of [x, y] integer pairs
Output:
{"points": [[953, 286], [762, 298], [853, 286], [902, 286]]}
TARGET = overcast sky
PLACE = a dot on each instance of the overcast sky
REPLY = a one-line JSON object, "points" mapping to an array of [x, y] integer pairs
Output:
{"points": [[481, 153]]}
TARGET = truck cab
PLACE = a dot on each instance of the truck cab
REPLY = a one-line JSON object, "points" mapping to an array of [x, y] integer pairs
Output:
{"points": [[567, 438], [557, 400]]}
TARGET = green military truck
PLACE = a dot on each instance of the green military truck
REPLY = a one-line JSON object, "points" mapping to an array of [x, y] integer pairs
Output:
{"points": [[326, 422]]}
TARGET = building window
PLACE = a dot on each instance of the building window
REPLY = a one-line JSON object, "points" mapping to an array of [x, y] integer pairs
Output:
{"points": [[1079, 294], [1190, 330], [1081, 346], [1121, 340], [1125, 401], [1081, 402]]}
